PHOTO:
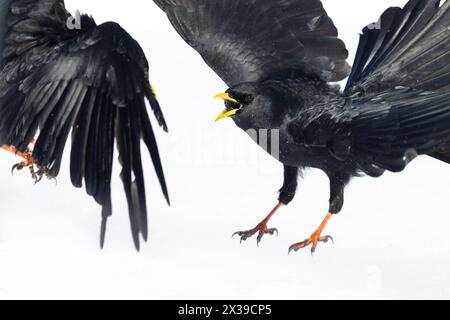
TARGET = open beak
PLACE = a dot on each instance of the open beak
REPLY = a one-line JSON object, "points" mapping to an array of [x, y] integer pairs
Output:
{"points": [[226, 113]]}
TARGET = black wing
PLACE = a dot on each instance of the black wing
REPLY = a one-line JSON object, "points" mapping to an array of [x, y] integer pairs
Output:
{"points": [[92, 82], [252, 40], [407, 47], [381, 133]]}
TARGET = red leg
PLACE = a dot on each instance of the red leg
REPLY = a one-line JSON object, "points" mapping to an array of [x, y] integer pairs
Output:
{"points": [[261, 228], [28, 160], [14, 150]]}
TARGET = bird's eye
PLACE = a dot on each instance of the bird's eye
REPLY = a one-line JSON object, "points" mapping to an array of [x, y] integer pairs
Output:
{"points": [[244, 99], [247, 99]]}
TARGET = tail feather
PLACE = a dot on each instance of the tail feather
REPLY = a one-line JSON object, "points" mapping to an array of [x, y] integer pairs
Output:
{"points": [[407, 47]]}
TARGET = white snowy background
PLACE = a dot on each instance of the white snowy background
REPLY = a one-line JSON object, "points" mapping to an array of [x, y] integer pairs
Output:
{"points": [[391, 238]]}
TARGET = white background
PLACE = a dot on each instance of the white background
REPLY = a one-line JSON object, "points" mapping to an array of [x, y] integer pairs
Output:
{"points": [[391, 237]]}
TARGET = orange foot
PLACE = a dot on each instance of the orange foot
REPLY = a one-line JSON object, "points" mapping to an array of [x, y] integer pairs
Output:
{"points": [[28, 162], [316, 237]]}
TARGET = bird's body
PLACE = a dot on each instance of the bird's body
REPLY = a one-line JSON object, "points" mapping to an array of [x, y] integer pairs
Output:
{"points": [[277, 57], [301, 98], [395, 105], [309, 115]]}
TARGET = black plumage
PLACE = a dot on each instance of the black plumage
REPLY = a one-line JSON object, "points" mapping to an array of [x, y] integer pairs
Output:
{"points": [[91, 82], [277, 57]]}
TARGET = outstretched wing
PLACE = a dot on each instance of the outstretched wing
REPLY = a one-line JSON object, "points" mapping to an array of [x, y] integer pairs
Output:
{"points": [[92, 82], [384, 132], [253, 40], [407, 47]]}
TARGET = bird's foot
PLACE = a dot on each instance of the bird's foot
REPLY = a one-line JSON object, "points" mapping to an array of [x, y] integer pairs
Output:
{"points": [[26, 163], [313, 241], [44, 172], [261, 229], [37, 172], [315, 238]]}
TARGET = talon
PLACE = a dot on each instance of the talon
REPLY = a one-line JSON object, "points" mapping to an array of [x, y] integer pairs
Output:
{"points": [[261, 228], [296, 247], [28, 162], [53, 179], [37, 179], [259, 238], [326, 239], [315, 238], [244, 235], [17, 167]]}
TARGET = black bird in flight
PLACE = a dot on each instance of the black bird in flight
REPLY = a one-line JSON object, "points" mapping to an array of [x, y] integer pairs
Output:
{"points": [[62, 74], [278, 58]]}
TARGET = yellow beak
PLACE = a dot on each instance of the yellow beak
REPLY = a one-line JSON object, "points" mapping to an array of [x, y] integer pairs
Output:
{"points": [[226, 113], [226, 97], [153, 90]]}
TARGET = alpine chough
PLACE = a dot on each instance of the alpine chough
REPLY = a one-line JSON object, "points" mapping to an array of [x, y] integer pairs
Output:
{"points": [[278, 58]]}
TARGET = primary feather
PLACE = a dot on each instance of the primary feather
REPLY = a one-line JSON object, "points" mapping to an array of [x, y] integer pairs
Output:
{"points": [[255, 40], [91, 82], [407, 47]]}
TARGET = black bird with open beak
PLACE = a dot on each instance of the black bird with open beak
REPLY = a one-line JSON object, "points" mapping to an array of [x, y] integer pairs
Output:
{"points": [[278, 57]]}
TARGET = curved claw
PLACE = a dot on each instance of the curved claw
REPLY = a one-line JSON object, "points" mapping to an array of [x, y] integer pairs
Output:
{"points": [[38, 179], [264, 232], [15, 167], [296, 247], [238, 233], [301, 245], [245, 235], [293, 248], [325, 239]]}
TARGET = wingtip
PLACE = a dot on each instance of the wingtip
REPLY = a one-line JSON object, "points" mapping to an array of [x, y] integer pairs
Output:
{"points": [[106, 213], [166, 196], [103, 232], [137, 246]]}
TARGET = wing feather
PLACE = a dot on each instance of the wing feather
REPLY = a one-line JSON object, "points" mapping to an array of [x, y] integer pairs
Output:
{"points": [[92, 83], [253, 40]]}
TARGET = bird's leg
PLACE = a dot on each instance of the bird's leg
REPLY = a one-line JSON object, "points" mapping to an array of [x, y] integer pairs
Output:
{"points": [[261, 228], [315, 238], [45, 171], [337, 186], [287, 193], [27, 162]]}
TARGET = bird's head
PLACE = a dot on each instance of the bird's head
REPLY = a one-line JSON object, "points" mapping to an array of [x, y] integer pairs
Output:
{"points": [[250, 105]]}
